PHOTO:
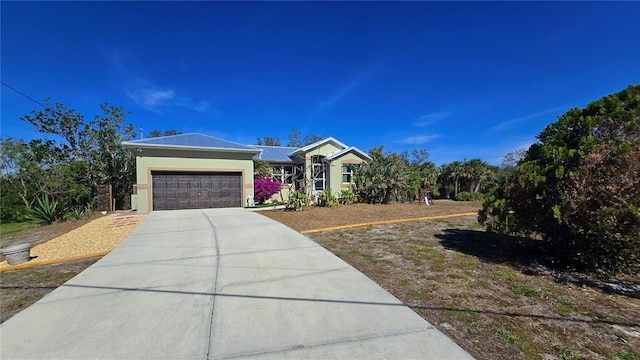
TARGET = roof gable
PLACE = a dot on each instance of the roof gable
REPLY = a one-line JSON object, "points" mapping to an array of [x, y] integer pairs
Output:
{"points": [[350, 149], [329, 140]]}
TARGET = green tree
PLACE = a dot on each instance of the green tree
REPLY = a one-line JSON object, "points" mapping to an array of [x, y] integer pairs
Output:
{"points": [[451, 174], [477, 173], [421, 174], [38, 168], [262, 169], [578, 188], [381, 179], [93, 148]]}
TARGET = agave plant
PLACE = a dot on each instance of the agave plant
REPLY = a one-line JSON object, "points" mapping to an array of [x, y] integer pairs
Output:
{"points": [[75, 214], [45, 210]]}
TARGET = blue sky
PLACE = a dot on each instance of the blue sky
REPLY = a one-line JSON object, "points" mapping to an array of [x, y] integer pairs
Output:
{"points": [[461, 80]]}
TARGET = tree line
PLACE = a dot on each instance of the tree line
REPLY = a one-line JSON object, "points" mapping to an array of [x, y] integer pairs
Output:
{"points": [[65, 166], [391, 176], [295, 139]]}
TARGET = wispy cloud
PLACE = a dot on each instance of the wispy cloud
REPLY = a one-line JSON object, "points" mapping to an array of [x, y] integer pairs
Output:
{"points": [[198, 106], [418, 139], [348, 88], [429, 119], [151, 99], [155, 99], [142, 91], [509, 123]]}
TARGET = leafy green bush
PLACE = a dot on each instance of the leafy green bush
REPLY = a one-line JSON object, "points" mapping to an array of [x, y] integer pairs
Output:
{"points": [[382, 178], [347, 196], [326, 198], [469, 196], [45, 211], [75, 214], [578, 188], [298, 200]]}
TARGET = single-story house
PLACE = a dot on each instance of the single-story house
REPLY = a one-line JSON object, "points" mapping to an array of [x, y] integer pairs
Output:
{"points": [[194, 171]]}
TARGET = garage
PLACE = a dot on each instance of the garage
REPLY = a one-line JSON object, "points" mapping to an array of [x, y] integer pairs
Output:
{"points": [[191, 171], [189, 190]]}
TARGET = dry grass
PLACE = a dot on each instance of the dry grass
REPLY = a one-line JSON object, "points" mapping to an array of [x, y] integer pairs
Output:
{"points": [[478, 288], [21, 288]]}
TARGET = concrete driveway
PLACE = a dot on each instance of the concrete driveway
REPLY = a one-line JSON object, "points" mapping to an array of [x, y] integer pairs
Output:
{"points": [[219, 284]]}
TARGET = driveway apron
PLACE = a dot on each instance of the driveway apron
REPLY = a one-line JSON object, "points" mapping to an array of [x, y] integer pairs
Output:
{"points": [[221, 284]]}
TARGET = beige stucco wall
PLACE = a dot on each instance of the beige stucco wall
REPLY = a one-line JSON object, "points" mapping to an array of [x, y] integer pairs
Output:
{"points": [[192, 161], [323, 150], [335, 182]]}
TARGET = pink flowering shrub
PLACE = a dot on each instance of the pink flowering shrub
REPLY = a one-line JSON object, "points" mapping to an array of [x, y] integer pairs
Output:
{"points": [[264, 188]]}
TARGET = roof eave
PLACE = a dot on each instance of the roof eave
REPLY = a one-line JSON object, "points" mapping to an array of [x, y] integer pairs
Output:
{"points": [[348, 150], [134, 146]]}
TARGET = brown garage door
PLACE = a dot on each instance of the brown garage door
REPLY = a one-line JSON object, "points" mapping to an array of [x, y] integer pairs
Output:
{"points": [[173, 191]]}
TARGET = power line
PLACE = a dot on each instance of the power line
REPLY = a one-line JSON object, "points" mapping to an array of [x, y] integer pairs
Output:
{"points": [[23, 94]]}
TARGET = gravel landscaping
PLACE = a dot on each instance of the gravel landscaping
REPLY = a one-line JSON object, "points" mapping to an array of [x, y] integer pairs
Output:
{"points": [[96, 237]]}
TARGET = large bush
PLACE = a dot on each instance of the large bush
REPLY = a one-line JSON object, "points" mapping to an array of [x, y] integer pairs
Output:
{"points": [[469, 196], [382, 178], [578, 188]]}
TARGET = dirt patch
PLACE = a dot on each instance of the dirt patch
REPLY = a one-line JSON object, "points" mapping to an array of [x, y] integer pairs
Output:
{"points": [[21, 288], [323, 217], [480, 290]]}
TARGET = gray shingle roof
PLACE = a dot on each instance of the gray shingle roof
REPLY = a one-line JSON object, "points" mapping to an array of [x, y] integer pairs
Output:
{"points": [[191, 140]]}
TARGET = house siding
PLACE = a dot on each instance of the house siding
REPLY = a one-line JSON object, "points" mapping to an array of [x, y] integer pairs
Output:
{"points": [[336, 170], [323, 150]]}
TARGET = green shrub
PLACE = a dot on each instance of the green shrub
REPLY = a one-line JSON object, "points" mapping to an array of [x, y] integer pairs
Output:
{"points": [[298, 200], [347, 196], [326, 198], [45, 211], [75, 214], [577, 188], [469, 196]]}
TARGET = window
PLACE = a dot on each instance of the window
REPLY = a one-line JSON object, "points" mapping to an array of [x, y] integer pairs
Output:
{"points": [[347, 172], [319, 173], [283, 174]]}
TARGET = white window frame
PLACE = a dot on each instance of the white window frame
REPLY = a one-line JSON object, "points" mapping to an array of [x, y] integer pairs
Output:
{"points": [[281, 175], [349, 172], [317, 162]]}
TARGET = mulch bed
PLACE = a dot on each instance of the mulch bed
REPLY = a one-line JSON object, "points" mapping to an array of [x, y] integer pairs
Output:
{"points": [[323, 217]]}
